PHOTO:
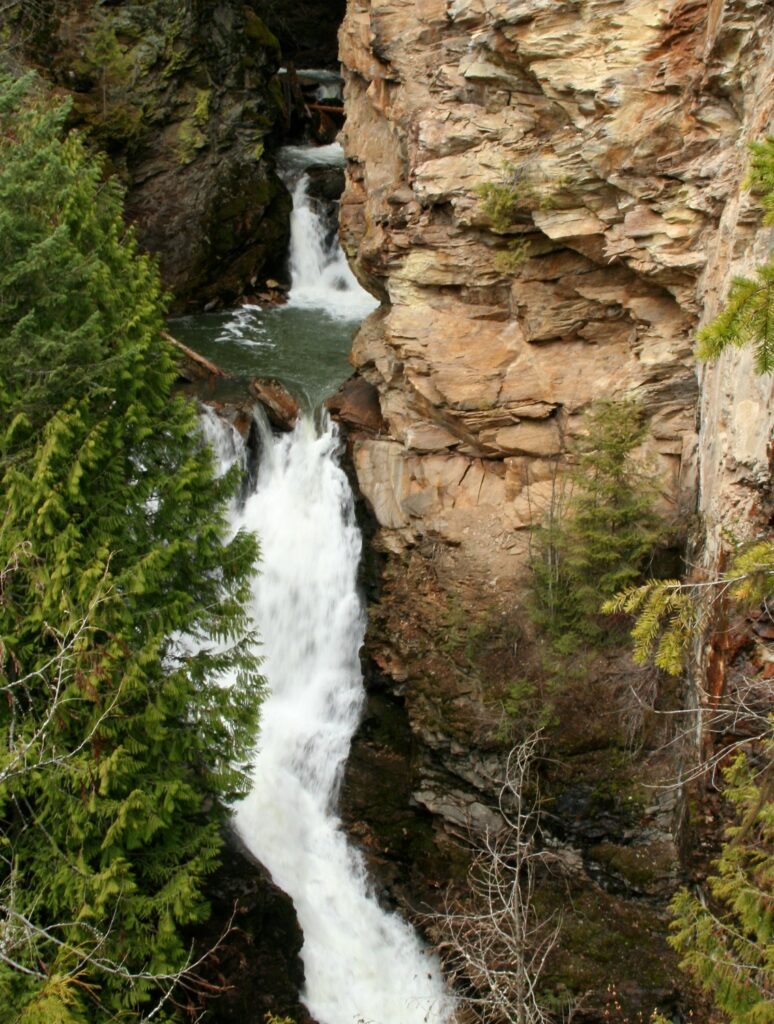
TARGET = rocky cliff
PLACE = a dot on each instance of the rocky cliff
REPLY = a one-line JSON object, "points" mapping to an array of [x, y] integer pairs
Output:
{"points": [[615, 134], [184, 100]]}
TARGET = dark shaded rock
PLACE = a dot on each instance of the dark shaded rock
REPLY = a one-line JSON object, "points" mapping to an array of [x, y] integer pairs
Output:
{"points": [[183, 98], [255, 967], [395, 834], [356, 404], [326, 183], [307, 29]]}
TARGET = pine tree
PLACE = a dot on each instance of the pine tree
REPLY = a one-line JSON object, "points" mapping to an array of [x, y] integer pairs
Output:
{"points": [[116, 553], [596, 542], [727, 939]]}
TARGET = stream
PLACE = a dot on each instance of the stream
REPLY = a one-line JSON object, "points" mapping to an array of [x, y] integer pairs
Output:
{"points": [[362, 964]]}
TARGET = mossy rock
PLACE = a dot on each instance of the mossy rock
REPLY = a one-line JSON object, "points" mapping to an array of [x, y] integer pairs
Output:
{"points": [[258, 33], [607, 945], [650, 869], [179, 96]]}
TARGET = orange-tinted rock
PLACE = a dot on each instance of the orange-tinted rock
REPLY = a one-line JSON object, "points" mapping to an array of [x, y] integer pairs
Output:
{"points": [[281, 407], [356, 404]]}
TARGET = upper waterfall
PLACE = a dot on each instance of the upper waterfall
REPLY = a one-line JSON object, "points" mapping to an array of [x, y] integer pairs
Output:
{"points": [[321, 278]]}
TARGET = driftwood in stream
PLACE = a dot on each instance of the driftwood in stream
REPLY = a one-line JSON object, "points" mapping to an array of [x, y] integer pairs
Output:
{"points": [[326, 108], [228, 391], [195, 366]]}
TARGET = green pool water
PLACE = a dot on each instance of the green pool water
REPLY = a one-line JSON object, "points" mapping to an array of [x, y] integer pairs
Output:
{"points": [[306, 349]]}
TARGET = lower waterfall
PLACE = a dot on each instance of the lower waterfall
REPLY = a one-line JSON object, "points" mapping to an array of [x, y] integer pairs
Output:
{"points": [[362, 965]]}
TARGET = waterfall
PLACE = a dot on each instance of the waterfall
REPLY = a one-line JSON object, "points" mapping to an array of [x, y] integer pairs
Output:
{"points": [[320, 276], [362, 965]]}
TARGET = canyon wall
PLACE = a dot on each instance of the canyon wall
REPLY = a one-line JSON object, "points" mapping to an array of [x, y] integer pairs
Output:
{"points": [[619, 129], [184, 101]]}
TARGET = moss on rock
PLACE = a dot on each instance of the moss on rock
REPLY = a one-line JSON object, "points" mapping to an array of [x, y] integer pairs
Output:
{"points": [[180, 97]]}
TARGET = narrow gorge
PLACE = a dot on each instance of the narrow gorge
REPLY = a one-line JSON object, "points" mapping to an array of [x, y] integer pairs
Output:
{"points": [[412, 248]]}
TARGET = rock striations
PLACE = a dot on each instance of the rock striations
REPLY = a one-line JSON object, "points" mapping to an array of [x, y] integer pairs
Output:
{"points": [[614, 133]]}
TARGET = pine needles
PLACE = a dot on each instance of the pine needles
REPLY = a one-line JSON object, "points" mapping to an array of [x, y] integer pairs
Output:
{"points": [[748, 317]]}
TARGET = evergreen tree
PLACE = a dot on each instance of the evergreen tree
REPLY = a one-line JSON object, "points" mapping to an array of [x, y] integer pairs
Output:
{"points": [[596, 541], [748, 318], [727, 940], [121, 603]]}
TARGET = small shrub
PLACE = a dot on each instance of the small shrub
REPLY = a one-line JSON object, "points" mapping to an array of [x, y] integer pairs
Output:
{"points": [[508, 202], [516, 253]]}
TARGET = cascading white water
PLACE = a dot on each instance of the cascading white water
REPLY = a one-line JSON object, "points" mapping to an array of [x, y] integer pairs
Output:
{"points": [[361, 963], [321, 277], [224, 440]]}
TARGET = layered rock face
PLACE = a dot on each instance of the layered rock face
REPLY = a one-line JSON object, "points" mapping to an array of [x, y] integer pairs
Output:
{"points": [[183, 98], [617, 132]]}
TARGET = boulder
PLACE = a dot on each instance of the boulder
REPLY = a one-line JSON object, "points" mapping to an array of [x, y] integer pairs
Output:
{"points": [[281, 407], [356, 404]]}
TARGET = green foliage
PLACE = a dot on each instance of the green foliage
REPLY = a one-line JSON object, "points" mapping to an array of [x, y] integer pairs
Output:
{"points": [[727, 939], [666, 618], [668, 612], [516, 253], [761, 177], [751, 573], [596, 541], [503, 204], [528, 708], [748, 318], [506, 202], [121, 748], [111, 66]]}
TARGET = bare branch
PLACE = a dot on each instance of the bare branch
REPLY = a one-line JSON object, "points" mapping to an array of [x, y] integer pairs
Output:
{"points": [[493, 945]]}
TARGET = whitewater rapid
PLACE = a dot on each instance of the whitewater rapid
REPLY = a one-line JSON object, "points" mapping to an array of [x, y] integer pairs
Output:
{"points": [[362, 965]]}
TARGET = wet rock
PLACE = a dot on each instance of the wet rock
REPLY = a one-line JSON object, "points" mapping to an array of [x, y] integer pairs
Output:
{"points": [[281, 407], [326, 183], [255, 965]]}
